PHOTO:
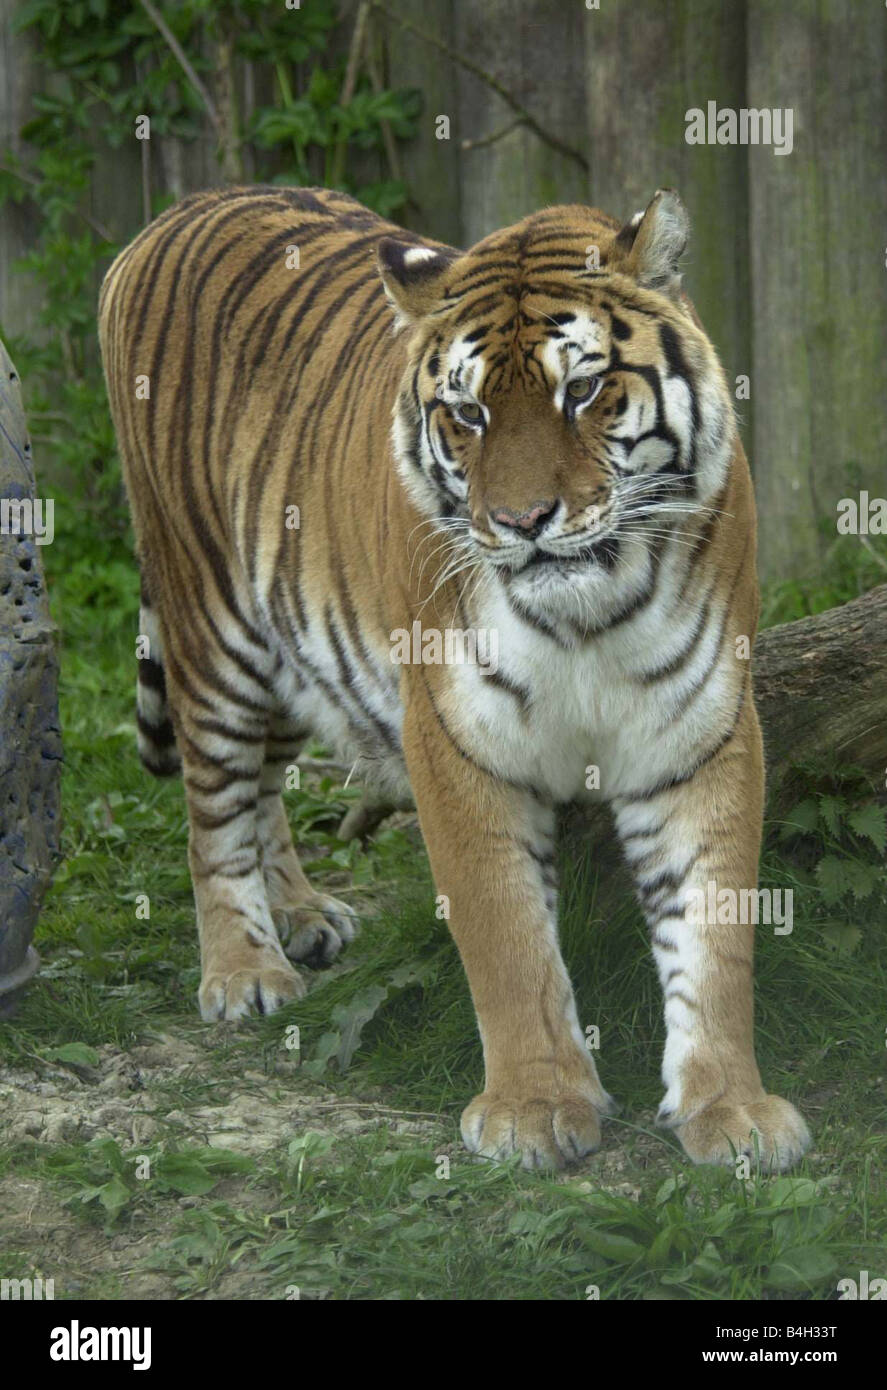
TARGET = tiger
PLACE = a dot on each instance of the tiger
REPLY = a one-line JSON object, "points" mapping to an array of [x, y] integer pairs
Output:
{"points": [[343, 443]]}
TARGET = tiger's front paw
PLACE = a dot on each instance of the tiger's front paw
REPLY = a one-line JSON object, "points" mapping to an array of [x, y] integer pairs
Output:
{"points": [[256, 982], [769, 1129], [547, 1132]]}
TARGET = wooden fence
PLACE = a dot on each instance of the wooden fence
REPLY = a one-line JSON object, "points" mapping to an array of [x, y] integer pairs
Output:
{"points": [[561, 100]]}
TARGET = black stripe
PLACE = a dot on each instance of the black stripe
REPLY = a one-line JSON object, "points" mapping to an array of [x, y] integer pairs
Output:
{"points": [[660, 673], [509, 687], [149, 673], [160, 735], [683, 778]]}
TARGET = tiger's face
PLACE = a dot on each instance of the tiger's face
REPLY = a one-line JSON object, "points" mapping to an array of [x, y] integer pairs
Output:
{"points": [[561, 409]]}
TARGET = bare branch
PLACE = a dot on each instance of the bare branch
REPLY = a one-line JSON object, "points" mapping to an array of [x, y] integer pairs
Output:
{"points": [[146, 181], [352, 68], [469, 65], [385, 126], [176, 49], [27, 177], [494, 136]]}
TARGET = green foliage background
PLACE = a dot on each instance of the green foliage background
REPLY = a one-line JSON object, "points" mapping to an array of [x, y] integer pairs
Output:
{"points": [[105, 64], [399, 1016]]}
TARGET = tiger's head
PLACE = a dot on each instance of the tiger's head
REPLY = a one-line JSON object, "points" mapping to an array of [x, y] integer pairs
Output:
{"points": [[562, 408]]}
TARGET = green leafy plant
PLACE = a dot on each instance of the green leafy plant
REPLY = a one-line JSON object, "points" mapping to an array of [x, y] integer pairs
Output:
{"points": [[193, 67], [835, 840], [106, 1178]]}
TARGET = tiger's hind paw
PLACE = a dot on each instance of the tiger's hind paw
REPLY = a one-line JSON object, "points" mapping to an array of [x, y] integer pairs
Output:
{"points": [[315, 932]]}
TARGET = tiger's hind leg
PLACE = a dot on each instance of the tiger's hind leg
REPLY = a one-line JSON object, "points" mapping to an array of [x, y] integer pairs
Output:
{"points": [[222, 712], [312, 925]]}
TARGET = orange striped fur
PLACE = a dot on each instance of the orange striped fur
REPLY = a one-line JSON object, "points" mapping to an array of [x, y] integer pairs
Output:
{"points": [[342, 445]]}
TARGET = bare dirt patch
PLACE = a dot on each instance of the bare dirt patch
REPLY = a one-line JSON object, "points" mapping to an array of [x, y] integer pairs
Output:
{"points": [[166, 1089], [139, 1096]]}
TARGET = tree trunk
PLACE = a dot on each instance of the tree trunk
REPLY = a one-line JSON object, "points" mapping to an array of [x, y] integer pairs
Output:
{"points": [[30, 745]]}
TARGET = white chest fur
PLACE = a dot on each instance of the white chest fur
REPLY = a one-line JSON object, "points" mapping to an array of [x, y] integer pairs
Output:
{"points": [[589, 720], [595, 718]]}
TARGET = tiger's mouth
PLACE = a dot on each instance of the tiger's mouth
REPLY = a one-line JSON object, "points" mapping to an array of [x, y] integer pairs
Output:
{"points": [[600, 554], [603, 552]]}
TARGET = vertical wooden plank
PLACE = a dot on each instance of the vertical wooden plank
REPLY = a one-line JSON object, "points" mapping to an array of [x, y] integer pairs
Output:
{"points": [[115, 199], [818, 236], [647, 64], [19, 296], [535, 50], [430, 164]]}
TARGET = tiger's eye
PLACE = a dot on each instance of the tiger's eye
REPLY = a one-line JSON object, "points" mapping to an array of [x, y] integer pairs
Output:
{"points": [[471, 411], [581, 387]]}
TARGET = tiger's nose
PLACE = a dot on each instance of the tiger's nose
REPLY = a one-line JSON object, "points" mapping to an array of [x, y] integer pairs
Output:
{"points": [[531, 522]]}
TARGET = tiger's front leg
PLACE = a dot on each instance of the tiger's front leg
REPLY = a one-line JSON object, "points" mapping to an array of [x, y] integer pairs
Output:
{"points": [[492, 855], [703, 831]]}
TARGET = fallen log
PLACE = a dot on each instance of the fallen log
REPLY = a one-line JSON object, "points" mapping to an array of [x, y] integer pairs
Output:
{"points": [[821, 691]]}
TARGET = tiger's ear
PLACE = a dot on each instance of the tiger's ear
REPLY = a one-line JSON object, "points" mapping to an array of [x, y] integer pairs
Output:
{"points": [[413, 276], [650, 246]]}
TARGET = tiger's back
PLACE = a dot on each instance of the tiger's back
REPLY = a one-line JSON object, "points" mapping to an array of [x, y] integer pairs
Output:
{"points": [[248, 346]]}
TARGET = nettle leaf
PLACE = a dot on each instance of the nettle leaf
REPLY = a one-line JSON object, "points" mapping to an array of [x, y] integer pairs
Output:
{"points": [[830, 875], [831, 809], [801, 820], [863, 879], [414, 973], [109, 1152], [870, 822], [841, 938], [351, 1018]]}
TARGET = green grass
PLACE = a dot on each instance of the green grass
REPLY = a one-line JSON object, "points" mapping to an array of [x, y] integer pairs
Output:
{"points": [[362, 1189]]}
